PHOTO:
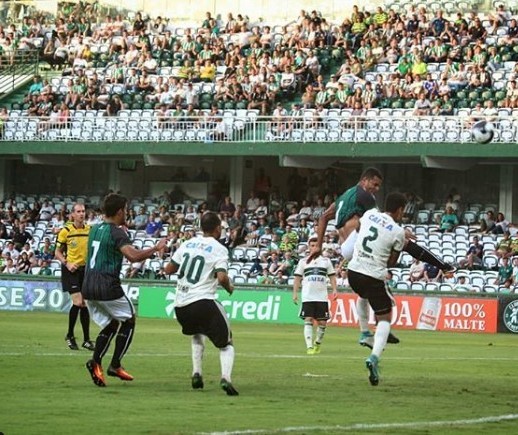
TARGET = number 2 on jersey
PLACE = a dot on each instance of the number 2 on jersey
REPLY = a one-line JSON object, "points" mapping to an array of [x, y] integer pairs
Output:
{"points": [[191, 268], [371, 237]]}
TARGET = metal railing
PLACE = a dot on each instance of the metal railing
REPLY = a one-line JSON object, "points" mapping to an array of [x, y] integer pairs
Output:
{"points": [[146, 125], [17, 68]]}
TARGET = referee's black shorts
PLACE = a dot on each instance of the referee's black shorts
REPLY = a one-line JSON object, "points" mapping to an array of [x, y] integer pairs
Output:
{"points": [[207, 317], [72, 281], [375, 290]]}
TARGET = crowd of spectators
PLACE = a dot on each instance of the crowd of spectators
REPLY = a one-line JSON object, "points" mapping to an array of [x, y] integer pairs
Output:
{"points": [[418, 58]]}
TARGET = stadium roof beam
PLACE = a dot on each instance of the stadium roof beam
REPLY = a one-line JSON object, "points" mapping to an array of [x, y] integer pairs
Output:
{"points": [[311, 162], [457, 164]]}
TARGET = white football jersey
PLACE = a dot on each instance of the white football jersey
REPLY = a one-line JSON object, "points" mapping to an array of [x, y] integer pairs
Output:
{"points": [[198, 260], [379, 234], [314, 278]]}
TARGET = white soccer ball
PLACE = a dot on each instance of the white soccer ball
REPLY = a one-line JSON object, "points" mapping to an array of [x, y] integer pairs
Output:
{"points": [[483, 132]]}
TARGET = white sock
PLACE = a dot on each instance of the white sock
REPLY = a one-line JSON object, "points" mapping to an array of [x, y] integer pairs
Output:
{"points": [[308, 334], [362, 306], [321, 330], [197, 346], [380, 337], [226, 358]]}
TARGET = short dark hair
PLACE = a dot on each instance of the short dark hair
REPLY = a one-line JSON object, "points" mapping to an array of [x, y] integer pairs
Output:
{"points": [[371, 173], [112, 203], [394, 201], [209, 222]]}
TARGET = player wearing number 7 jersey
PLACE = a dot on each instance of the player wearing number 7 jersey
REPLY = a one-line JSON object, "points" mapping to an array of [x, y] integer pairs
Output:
{"points": [[380, 241], [109, 307], [202, 264]]}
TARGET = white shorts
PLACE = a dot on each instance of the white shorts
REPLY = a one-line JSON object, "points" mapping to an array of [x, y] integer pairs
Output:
{"points": [[347, 247], [103, 312]]}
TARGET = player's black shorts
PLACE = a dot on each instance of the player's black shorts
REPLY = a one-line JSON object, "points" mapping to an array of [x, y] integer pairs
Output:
{"points": [[315, 310], [72, 281], [378, 294], [207, 317]]}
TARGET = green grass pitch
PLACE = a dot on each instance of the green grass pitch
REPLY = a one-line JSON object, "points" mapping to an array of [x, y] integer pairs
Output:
{"points": [[431, 382]]}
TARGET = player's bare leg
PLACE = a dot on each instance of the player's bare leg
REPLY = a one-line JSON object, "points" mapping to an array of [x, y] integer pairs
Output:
{"points": [[198, 347], [351, 225], [321, 330], [380, 341]]}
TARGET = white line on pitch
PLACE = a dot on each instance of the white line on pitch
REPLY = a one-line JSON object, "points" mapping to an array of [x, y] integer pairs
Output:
{"points": [[363, 426], [266, 356]]}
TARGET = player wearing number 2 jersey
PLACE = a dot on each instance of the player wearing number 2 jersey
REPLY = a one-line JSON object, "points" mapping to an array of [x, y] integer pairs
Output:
{"points": [[379, 243], [109, 307], [347, 211], [202, 264], [350, 207]]}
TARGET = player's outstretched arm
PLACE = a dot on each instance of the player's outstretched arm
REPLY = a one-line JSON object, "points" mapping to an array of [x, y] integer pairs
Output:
{"points": [[321, 230], [137, 255]]}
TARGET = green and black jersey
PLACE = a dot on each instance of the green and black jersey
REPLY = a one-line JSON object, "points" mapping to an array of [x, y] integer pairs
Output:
{"points": [[104, 262], [354, 201]]}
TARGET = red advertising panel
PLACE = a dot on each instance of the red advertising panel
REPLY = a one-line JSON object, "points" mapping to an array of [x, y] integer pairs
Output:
{"points": [[426, 312]]}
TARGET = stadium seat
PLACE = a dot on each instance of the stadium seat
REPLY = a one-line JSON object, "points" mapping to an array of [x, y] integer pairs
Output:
{"points": [[417, 286], [490, 288], [423, 216], [405, 259], [372, 136], [490, 261], [238, 254], [438, 136], [469, 217], [403, 285], [477, 279], [349, 135], [166, 135], [321, 135], [432, 286], [333, 136], [446, 287], [251, 254], [425, 135], [385, 135], [399, 135]]}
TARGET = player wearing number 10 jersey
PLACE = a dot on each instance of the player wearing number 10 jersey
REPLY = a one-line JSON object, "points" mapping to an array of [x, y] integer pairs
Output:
{"points": [[109, 307], [202, 264]]}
